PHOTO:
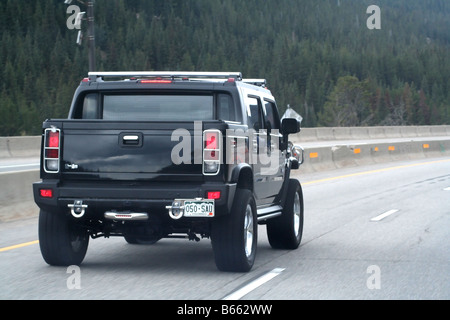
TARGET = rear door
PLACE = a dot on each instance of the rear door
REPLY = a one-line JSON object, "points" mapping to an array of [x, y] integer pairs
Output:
{"points": [[112, 150], [133, 135], [275, 164], [257, 138]]}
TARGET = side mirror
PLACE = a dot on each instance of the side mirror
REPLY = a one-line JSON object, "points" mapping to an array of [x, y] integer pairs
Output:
{"points": [[290, 125]]}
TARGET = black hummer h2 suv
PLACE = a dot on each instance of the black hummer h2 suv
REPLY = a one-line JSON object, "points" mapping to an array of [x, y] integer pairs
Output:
{"points": [[152, 155]]}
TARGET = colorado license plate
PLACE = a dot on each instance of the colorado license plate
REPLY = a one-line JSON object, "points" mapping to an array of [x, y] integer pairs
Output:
{"points": [[201, 208]]}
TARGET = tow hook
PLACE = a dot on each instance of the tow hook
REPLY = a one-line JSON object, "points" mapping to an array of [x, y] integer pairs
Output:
{"points": [[176, 210], [77, 209]]}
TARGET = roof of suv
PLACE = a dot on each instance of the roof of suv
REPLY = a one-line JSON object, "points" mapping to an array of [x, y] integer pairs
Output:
{"points": [[167, 77]]}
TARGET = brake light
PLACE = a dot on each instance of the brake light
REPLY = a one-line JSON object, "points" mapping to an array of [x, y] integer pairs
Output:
{"points": [[211, 140], [213, 195], [53, 139], [160, 81], [46, 193], [211, 151], [52, 144]]}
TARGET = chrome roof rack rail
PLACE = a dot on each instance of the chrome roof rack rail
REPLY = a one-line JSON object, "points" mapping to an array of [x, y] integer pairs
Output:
{"points": [[166, 74]]}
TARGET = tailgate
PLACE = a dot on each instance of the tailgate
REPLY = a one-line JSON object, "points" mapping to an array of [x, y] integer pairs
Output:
{"points": [[130, 151]]}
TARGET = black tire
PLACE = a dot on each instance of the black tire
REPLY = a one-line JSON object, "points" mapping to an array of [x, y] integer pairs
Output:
{"points": [[234, 236], [62, 241], [285, 231]]}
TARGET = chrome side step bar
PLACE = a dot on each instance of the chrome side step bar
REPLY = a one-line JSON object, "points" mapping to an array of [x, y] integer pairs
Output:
{"points": [[270, 212], [126, 216]]}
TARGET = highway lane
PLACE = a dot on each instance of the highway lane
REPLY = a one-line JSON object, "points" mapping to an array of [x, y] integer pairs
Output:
{"points": [[344, 254]]}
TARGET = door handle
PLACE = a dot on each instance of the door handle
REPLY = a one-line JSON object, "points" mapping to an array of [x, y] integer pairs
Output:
{"points": [[131, 139]]}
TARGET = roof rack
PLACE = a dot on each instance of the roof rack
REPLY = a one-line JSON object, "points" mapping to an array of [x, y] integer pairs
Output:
{"points": [[166, 74], [256, 82]]}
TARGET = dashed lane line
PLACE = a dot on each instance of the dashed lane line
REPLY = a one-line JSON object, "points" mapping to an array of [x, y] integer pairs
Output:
{"points": [[241, 292], [384, 215]]}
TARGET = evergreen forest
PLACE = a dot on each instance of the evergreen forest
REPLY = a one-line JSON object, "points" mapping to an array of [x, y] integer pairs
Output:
{"points": [[318, 56]]}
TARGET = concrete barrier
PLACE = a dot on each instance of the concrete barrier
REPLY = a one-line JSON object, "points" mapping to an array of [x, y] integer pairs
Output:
{"points": [[4, 152], [318, 159], [20, 147], [340, 156], [16, 199], [324, 134], [307, 134], [361, 133]]}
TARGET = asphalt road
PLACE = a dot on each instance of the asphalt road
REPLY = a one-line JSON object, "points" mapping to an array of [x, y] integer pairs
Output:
{"points": [[374, 232]]}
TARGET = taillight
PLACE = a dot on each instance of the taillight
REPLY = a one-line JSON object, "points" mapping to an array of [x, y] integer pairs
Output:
{"points": [[52, 144], [213, 195], [211, 140], [53, 139], [212, 146], [46, 193]]}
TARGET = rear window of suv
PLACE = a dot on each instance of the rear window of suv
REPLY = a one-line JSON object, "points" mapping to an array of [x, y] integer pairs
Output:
{"points": [[156, 107]]}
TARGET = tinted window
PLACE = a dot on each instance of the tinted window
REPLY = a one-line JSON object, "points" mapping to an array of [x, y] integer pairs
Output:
{"points": [[271, 114], [157, 107], [254, 114], [225, 108], [90, 106]]}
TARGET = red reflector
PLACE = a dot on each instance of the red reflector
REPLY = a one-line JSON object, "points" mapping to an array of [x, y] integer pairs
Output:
{"points": [[52, 153], [53, 139], [85, 80], [211, 140], [156, 81], [213, 194], [46, 193]]}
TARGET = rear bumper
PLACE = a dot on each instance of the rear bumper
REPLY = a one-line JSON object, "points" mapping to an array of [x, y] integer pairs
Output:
{"points": [[120, 197]]}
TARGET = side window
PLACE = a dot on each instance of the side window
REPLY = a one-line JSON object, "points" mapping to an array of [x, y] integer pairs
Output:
{"points": [[254, 113], [271, 114], [90, 107], [225, 107]]}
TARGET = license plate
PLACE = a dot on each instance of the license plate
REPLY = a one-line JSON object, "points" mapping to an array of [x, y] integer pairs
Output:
{"points": [[201, 208]]}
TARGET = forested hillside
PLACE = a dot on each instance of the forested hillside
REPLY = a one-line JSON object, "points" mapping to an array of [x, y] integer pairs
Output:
{"points": [[317, 55]]}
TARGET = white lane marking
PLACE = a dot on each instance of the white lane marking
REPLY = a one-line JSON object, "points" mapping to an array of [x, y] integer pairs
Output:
{"points": [[384, 215], [19, 171], [19, 165], [238, 294]]}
